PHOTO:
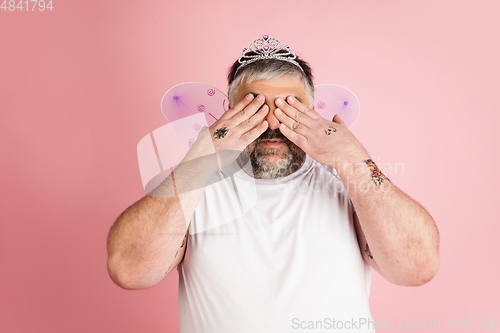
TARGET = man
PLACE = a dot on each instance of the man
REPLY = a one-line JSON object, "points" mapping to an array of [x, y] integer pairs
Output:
{"points": [[289, 244]]}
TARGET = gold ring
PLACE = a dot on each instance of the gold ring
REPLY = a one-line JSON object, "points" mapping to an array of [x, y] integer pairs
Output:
{"points": [[243, 112], [248, 121], [295, 125]]}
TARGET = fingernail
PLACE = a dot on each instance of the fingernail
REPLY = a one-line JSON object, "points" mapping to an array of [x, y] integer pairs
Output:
{"points": [[291, 99], [279, 101], [265, 107], [260, 98], [249, 96], [278, 111]]}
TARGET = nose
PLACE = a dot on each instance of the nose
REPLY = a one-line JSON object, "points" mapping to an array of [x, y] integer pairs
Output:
{"points": [[273, 122]]}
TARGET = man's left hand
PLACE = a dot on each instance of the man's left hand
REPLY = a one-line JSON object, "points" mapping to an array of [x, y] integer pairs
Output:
{"points": [[328, 142]]}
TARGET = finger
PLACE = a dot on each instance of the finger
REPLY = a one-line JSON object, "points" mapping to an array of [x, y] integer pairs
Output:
{"points": [[252, 121], [294, 113], [256, 105], [251, 135], [295, 137], [338, 120], [303, 108], [234, 122], [294, 125], [238, 107]]}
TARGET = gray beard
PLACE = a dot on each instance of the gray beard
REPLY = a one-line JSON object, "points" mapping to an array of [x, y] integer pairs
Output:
{"points": [[254, 160]]}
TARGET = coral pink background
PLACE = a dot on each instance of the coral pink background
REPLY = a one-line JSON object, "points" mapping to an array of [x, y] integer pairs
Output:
{"points": [[81, 85]]}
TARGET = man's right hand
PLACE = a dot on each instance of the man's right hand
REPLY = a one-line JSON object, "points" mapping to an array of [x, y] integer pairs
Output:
{"points": [[236, 129]]}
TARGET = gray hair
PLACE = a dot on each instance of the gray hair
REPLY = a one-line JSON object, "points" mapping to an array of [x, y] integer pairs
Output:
{"points": [[269, 69]]}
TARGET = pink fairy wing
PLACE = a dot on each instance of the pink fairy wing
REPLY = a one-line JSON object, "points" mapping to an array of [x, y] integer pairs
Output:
{"points": [[190, 98], [190, 106], [332, 99]]}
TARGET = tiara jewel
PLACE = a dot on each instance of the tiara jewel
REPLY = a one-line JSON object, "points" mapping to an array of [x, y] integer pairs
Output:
{"points": [[266, 48]]}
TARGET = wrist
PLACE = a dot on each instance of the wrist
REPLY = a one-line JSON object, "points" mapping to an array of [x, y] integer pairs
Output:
{"points": [[351, 162]]}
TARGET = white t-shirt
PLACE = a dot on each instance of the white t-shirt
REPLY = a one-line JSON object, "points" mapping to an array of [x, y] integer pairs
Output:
{"points": [[274, 256]]}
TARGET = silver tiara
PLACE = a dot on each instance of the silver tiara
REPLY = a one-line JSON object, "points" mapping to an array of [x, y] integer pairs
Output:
{"points": [[266, 48]]}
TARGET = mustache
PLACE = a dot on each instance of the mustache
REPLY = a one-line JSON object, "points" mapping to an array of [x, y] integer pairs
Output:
{"points": [[273, 134]]}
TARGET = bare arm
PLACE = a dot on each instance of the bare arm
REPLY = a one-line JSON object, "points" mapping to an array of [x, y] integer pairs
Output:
{"points": [[402, 236], [147, 240], [398, 237], [366, 252], [144, 244]]}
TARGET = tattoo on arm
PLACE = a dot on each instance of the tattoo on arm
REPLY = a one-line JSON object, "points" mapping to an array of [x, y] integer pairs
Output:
{"points": [[184, 240], [367, 248], [368, 252], [220, 133], [330, 130], [377, 175], [182, 245]]}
